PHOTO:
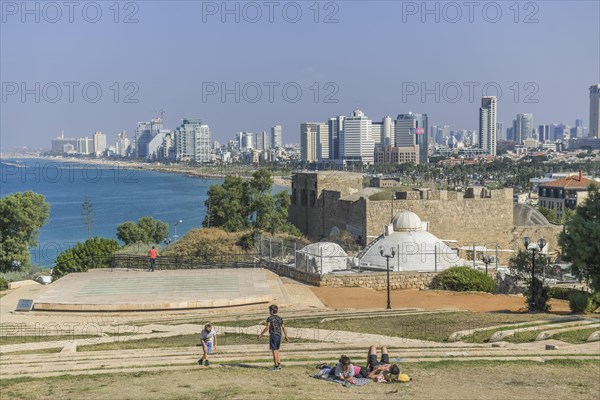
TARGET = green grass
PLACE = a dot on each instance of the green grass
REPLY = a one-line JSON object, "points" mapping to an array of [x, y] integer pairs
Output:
{"points": [[177, 341], [575, 337], [40, 351], [434, 327], [485, 335], [5, 340]]}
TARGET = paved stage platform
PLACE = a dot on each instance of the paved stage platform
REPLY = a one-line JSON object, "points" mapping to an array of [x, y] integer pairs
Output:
{"points": [[136, 290]]}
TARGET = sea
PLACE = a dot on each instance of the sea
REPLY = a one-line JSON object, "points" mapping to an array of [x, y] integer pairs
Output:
{"points": [[116, 194]]}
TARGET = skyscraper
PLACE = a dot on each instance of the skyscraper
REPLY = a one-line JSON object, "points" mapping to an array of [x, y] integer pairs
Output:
{"points": [[262, 141], [122, 144], [276, 137], [245, 140], [412, 129], [487, 124], [335, 126], [309, 132], [595, 111], [99, 143], [144, 133], [543, 133], [192, 141], [523, 127], [356, 142], [500, 134]]}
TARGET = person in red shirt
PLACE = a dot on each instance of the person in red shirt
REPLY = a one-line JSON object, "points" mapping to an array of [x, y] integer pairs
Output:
{"points": [[153, 253]]}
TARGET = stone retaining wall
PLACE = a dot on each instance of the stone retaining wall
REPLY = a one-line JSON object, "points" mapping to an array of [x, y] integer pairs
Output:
{"points": [[371, 280], [378, 280]]}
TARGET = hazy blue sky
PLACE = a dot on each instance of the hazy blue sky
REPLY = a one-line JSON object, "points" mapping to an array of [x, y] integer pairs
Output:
{"points": [[369, 57]]}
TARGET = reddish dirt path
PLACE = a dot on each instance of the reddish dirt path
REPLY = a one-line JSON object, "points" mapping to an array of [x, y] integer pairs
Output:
{"points": [[362, 298]]}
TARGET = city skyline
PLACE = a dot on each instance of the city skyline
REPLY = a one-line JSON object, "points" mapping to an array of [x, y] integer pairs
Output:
{"points": [[95, 55]]}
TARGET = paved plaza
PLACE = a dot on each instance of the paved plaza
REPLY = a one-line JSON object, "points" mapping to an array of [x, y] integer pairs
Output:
{"points": [[135, 290]]}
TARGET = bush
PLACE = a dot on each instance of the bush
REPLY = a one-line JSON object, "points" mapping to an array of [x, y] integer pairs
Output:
{"points": [[583, 302], [93, 253], [542, 296], [462, 279], [3, 284], [562, 293]]}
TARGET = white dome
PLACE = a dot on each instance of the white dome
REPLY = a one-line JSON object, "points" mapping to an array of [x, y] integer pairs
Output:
{"points": [[407, 221]]}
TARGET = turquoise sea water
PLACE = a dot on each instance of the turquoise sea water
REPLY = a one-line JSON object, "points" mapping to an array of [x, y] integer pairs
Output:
{"points": [[117, 195]]}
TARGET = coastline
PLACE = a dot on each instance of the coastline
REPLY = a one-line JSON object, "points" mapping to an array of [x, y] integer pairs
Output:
{"points": [[194, 172]]}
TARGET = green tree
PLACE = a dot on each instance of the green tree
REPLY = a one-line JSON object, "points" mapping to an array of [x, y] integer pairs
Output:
{"points": [[228, 205], [93, 253], [129, 232], [87, 215], [21, 216], [147, 230], [580, 241], [549, 213]]}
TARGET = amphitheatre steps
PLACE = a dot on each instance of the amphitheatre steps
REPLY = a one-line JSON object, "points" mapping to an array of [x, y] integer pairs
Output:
{"points": [[500, 335], [547, 334]]}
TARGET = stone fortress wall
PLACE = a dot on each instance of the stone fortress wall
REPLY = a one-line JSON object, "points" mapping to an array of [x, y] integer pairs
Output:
{"points": [[477, 216]]}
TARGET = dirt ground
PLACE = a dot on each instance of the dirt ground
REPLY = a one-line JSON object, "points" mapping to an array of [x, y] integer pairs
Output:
{"points": [[456, 380], [363, 298]]}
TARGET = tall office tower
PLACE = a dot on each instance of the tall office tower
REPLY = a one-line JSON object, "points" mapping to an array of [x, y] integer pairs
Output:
{"points": [[155, 145], [308, 141], [523, 127], [323, 141], [595, 111], [356, 142], [262, 141], [500, 131], [85, 145], [122, 144], [543, 133], [412, 129], [192, 141], [335, 126], [487, 124], [245, 140], [276, 137], [388, 131], [99, 143], [144, 132], [377, 133]]}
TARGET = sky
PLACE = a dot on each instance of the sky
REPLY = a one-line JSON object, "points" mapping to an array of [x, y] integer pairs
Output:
{"points": [[82, 67]]}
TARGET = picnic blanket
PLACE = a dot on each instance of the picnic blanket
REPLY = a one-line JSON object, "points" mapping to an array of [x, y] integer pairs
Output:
{"points": [[324, 374]]}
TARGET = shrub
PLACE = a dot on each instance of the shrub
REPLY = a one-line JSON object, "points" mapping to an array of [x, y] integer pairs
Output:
{"points": [[542, 296], [3, 284], [462, 279], [562, 293], [583, 302]]}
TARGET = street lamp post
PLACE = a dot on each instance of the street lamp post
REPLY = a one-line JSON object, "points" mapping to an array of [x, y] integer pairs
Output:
{"points": [[387, 258], [533, 247], [175, 229], [487, 261]]}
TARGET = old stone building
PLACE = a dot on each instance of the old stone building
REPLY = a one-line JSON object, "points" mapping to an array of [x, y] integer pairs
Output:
{"points": [[324, 200]]}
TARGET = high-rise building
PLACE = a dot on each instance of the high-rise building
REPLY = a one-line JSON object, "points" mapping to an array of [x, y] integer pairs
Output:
{"points": [[62, 144], [276, 137], [487, 124], [356, 142], [595, 111], [335, 126], [412, 129], [308, 141], [192, 141], [99, 143], [523, 127], [383, 132], [500, 131], [144, 133], [122, 144], [543, 133], [262, 141], [323, 142], [245, 140], [85, 145]]}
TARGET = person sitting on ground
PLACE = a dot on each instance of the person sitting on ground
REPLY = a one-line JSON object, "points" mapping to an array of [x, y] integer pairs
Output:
{"points": [[379, 370], [344, 370], [208, 341]]}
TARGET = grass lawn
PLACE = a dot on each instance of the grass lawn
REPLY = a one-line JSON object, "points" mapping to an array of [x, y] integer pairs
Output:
{"points": [[175, 341], [443, 380], [576, 337], [435, 327]]}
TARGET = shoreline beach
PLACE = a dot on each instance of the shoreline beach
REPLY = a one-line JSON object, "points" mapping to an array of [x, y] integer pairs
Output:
{"points": [[195, 172]]}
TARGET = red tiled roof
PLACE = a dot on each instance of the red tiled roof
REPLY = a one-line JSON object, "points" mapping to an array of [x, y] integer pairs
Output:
{"points": [[570, 182]]}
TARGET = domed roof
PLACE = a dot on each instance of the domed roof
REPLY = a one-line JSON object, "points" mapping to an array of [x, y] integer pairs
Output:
{"points": [[407, 221]]}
